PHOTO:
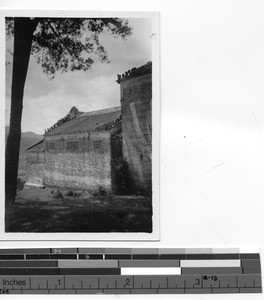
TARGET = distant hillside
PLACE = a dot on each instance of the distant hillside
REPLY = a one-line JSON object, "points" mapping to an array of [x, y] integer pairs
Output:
{"points": [[28, 139]]}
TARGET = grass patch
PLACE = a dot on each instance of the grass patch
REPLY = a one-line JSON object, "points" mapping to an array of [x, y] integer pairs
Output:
{"points": [[102, 213]]}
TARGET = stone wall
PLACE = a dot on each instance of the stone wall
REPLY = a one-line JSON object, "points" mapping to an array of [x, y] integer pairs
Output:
{"points": [[35, 169], [136, 96], [79, 161]]}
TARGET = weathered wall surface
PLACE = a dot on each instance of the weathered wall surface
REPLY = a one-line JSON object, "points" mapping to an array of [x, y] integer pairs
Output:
{"points": [[78, 161], [35, 169], [136, 96]]}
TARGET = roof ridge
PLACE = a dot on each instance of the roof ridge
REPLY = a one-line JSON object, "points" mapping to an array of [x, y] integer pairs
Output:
{"points": [[33, 146], [100, 111], [88, 122]]}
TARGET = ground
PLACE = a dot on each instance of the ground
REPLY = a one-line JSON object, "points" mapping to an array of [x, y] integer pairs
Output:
{"points": [[52, 210]]}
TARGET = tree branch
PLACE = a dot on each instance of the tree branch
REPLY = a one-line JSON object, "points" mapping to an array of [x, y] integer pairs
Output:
{"points": [[58, 37]]}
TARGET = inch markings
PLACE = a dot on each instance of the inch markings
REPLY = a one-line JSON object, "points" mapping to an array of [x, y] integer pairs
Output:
{"points": [[129, 271]]}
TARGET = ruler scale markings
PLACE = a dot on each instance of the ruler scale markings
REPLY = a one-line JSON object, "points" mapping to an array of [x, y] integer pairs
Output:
{"points": [[201, 270], [208, 270]]}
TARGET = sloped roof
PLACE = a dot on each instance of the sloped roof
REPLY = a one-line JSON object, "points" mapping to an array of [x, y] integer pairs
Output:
{"points": [[100, 120], [38, 147]]}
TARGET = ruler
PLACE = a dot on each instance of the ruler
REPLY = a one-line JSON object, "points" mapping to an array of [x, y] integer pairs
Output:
{"points": [[129, 271]]}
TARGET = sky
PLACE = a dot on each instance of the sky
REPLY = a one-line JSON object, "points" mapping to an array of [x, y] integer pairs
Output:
{"points": [[46, 101]]}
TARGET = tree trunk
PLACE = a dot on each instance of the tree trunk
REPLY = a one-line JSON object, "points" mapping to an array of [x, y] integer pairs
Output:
{"points": [[23, 33]]}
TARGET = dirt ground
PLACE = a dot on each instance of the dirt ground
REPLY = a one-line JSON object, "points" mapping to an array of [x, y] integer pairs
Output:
{"points": [[51, 210]]}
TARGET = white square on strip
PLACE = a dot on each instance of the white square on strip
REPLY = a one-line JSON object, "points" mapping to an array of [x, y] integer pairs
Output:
{"points": [[150, 271]]}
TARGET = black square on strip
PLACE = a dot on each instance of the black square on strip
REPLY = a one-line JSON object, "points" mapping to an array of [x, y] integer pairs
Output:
{"points": [[63, 256], [249, 256], [38, 256], [10, 257], [172, 256], [90, 256], [145, 256], [198, 256], [117, 256], [225, 256]]}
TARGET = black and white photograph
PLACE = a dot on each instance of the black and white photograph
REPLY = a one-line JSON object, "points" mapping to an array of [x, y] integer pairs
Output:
{"points": [[132, 148], [81, 125]]}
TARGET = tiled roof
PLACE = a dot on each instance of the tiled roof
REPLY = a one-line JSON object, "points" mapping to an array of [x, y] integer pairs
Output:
{"points": [[39, 147], [100, 120]]}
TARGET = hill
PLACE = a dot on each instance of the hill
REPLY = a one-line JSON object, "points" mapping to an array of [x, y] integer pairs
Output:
{"points": [[28, 139]]}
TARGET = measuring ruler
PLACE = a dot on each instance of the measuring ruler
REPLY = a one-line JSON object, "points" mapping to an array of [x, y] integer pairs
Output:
{"points": [[129, 271]]}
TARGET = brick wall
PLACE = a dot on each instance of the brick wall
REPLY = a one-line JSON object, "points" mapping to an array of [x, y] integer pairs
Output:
{"points": [[136, 96], [79, 161], [35, 168]]}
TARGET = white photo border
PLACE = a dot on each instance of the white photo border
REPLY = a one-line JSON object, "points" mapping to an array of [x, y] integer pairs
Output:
{"points": [[155, 39]]}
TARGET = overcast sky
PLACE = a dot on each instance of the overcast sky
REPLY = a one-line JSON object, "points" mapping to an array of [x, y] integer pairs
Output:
{"points": [[46, 101]]}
